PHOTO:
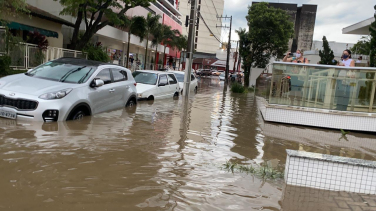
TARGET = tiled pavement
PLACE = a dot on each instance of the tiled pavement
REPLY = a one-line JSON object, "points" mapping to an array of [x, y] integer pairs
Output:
{"points": [[309, 199]]}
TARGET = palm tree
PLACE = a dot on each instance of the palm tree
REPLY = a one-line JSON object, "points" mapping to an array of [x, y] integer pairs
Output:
{"points": [[137, 26], [170, 38], [157, 39], [181, 44], [152, 22]]}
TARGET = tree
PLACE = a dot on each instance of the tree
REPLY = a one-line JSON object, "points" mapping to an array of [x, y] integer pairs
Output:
{"points": [[181, 44], [269, 32], [96, 14], [169, 38], [372, 30], [12, 8], [152, 22], [157, 39], [137, 26], [362, 46], [326, 55]]}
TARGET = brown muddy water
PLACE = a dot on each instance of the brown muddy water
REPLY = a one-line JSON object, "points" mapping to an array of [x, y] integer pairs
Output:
{"points": [[165, 155]]}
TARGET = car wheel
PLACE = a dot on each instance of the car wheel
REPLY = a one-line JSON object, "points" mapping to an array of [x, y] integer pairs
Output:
{"points": [[196, 90], [78, 115], [131, 102]]}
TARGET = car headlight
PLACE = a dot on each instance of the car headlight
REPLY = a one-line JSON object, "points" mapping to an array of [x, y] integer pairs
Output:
{"points": [[55, 95]]}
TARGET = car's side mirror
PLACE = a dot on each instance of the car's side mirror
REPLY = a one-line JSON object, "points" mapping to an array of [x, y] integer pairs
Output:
{"points": [[29, 70], [97, 83]]}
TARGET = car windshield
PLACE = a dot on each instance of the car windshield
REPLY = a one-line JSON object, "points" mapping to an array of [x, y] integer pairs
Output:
{"points": [[180, 77], [222, 74], [145, 78], [63, 72]]}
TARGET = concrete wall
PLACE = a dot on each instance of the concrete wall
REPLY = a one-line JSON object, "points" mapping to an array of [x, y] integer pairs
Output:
{"points": [[43, 24], [307, 19]]}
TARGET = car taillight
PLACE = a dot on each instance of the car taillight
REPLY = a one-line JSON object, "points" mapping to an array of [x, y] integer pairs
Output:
{"points": [[135, 84]]}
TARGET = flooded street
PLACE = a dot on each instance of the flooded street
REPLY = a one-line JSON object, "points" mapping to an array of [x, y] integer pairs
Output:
{"points": [[162, 155]]}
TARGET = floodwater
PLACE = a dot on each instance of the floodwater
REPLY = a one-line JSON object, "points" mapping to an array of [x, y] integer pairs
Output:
{"points": [[162, 155]]}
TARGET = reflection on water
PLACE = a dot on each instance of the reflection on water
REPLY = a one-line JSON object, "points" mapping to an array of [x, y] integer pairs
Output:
{"points": [[157, 156]]}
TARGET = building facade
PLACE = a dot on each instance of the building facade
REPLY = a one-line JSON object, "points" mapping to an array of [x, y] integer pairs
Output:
{"points": [[206, 45], [115, 40], [304, 18]]}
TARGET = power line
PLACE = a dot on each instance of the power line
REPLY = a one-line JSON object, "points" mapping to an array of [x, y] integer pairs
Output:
{"points": [[210, 29], [216, 16]]}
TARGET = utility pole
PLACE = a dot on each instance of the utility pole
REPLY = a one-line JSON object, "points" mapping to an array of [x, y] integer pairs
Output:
{"points": [[228, 46], [190, 48]]}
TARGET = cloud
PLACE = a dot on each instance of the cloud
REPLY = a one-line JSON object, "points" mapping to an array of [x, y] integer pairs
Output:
{"points": [[331, 17]]}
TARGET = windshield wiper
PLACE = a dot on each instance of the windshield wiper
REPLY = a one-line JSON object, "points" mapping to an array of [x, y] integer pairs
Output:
{"points": [[83, 78], [65, 76]]}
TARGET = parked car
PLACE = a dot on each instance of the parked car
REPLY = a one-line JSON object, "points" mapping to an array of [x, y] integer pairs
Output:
{"points": [[206, 72], [215, 73], [180, 76], [222, 76], [155, 84], [66, 89]]}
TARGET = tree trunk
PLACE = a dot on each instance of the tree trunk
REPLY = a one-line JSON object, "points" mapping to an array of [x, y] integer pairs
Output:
{"points": [[147, 45], [176, 58], [181, 54], [164, 55], [247, 71], [129, 43], [76, 30], [155, 57]]}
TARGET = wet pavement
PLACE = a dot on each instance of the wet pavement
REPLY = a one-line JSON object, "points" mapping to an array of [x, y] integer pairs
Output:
{"points": [[162, 155]]}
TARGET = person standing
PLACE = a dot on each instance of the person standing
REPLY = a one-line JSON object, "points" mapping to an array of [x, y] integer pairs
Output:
{"points": [[296, 84], [343, 86]]}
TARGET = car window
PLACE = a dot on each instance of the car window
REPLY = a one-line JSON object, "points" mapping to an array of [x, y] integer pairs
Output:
{"points": [[180, 77], [192, 77], [119, 75], [145, 77], [163, 79], [172, 79], [104, 75]]}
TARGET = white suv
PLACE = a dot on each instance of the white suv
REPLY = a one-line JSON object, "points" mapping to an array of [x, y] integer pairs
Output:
{"points": [[66, 89]]}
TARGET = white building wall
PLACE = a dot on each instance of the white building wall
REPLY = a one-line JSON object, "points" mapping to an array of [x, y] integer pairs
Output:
{"points": [[205, 42], [337, 47]]}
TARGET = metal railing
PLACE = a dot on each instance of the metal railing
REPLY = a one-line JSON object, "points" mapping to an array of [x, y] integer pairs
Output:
{"points": [[26, 55], [323, 87]]}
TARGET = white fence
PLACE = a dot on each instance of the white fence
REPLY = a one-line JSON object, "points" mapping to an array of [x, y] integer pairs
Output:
{"points": [[25, 55]]}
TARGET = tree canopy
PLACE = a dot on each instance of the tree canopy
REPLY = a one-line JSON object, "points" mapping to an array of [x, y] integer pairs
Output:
{"points": [[362, 46], [269, 32], [96, 14], [326, 55], [372, 30]]}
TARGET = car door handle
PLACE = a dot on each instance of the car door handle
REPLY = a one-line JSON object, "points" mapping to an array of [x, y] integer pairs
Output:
{"points": [[112, 90]]}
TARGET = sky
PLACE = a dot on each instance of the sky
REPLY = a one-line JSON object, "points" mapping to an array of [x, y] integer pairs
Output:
{"points": [[331, 16]]}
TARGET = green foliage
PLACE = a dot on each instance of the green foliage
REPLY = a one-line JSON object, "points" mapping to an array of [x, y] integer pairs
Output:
{"points": [[96, 52], [326, 55], [152, 23], [12, 8], [372, 30], [269, 32], [362, 46], [238, 88], [5, 62], [265, 171], [38, 39], [96, 14]]}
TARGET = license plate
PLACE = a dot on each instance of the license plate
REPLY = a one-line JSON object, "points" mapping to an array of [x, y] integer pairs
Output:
{"points": [[8, 114]]}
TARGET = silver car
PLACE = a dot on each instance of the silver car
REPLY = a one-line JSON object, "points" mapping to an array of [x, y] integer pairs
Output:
{"points": [[66, 89]]}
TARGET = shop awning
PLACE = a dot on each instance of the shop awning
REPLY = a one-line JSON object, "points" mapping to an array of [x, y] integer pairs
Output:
{"points": [[47, 33]]}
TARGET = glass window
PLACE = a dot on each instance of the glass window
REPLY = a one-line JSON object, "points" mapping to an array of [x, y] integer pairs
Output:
{"points": [[145, 77], [180, 77], [192, 77], [119, 75], [63, 72], [105, 76], [163, 79], [172, 79]]}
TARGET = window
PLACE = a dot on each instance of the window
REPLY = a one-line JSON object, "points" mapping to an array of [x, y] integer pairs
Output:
{"points": [[192, 77], [145, 77], [172, 79], [163, 79], [180, 77], [119, 75], [105, 76]]}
